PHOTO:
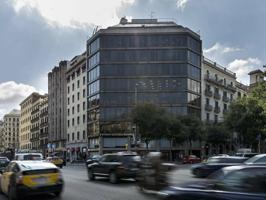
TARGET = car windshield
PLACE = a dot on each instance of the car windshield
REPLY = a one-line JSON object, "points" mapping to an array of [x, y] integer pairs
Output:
{"points": [[32, 157], [252, 159]]}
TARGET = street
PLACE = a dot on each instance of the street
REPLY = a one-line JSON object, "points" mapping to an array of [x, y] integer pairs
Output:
{"points": [[77, 186]]}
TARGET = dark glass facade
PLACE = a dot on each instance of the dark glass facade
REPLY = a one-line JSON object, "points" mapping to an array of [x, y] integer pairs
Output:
{"points": [[129, 69]]}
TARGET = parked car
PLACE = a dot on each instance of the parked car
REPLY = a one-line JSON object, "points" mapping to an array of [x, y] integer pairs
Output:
{"points": [[27, 178], [4, 161], [191, 159], [115, 166], [56, 161], [230, 183], [248, 155], [257, 160], [215, 163]]}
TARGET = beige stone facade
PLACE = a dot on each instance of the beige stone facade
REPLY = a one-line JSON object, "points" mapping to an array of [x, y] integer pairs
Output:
{"points": [[28, 121], [219, 89], [11, 129], [77, 107]]}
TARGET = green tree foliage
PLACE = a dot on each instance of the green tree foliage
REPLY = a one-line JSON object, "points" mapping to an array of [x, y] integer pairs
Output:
{"points": [[247, 117], [150, 121], [194, 129], [217, 134]]}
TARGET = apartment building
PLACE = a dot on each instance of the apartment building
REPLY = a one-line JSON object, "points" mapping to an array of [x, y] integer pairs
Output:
{"points": [[11, 130], [43, 124], [57, 133], [76, 76], [28, 122], [2, 135], [218, 90]]}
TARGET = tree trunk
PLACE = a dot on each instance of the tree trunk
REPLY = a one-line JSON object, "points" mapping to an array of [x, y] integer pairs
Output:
{"points": [[171, 148]]}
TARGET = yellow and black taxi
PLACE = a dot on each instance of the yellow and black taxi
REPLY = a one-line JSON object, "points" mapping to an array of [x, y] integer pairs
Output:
{"points": [[56, 161], [27, 178]]}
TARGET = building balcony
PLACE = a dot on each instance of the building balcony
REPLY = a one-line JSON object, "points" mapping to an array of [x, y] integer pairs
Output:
{"points": [[43, 134], [34, 139], [34, 120], [226, 99], [217, 96], [34, 129], [208, 107], [208, 93], [217, 109], [231, 87], [213, 80]]}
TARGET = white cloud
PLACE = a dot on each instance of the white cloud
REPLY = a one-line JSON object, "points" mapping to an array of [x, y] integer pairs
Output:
{"points": [[11, 95], [243, 66], [181, 4], [76, 12], [218, 50]]}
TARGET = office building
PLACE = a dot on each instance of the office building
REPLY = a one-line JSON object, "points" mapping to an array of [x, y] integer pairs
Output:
{"points": [[144, 60], [57, 106], [76, 76]]}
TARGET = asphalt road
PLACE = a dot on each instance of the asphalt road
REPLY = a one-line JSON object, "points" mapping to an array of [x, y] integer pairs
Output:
{"points": [[77, 186]]}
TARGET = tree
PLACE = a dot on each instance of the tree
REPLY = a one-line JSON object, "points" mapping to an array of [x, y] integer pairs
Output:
{"points": [[247, 117], [175, 132], [194, 129], [217, 134], [150, 120]]}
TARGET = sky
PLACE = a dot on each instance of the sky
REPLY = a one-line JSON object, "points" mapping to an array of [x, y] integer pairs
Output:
{"points": [[36, 34]]}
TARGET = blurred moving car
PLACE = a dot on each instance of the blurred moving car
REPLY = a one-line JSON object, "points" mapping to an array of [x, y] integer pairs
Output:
{"points": [[93, 159], [27, 178], [247, 155], [28, 156], [153, 173], [56, 161], [230, 183], [191, 159], [4, 161], [115, 166], [215, 163], [259, 159]]}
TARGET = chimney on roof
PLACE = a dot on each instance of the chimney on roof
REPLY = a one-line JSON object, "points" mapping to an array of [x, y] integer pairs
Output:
{"points": [[123, 20]]}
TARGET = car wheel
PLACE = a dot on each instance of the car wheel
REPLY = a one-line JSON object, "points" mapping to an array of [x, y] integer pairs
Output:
{"points": [[58, 193], [91, 175], [113, 177]]}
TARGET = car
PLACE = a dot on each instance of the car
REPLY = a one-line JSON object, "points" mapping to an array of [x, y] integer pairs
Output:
{"points": [[191, 159], [4, 161], [234, 183], [248, 155], [257, 160], [26, 178], [92, 159], [115, 166], [28, 156], [56, 161], [215, 163]]}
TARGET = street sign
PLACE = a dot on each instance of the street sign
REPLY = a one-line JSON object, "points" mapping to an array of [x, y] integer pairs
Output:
{"points": [[49, 145], [53, 146]]}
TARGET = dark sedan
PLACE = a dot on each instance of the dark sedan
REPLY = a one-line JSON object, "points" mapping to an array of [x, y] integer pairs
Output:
{"points": [[213, 164], [230, 183]]}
